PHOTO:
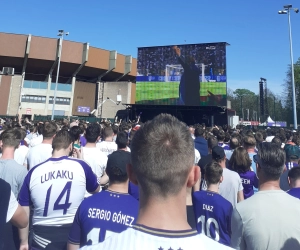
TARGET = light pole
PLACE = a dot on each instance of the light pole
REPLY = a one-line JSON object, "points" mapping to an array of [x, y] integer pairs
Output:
{"points": [[61, 33], [287, 10]]}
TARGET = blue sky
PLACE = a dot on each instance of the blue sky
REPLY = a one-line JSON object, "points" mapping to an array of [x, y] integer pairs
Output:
{"points": [[257, 34]]}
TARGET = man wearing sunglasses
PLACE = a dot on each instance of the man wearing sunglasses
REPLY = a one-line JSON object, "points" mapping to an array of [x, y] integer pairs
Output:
{"points": [[258, 222]]}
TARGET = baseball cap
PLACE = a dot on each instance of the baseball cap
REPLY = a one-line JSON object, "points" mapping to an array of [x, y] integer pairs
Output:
{"points": [[117, 162], [292, 151], [217, 153]]}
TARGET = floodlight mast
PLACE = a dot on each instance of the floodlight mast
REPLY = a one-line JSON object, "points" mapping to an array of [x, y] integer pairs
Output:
{"points": [[61, 33], [287, 10]]}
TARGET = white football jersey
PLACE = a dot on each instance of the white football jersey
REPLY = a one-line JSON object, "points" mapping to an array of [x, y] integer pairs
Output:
{"points": [[107, 147], [142, 237], [56, 188]]}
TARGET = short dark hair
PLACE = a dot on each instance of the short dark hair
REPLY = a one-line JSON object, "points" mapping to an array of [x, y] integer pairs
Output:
{"points": [[212, 142], [294, 173], [107, 132], [272, 159], [221, 135], [277, 141], [115, 129], [162, 155], [11, 138], [75, 131], [213, 172], [199, 131], [259, 137], [49, 130], [92, 132], [122, 140], [62, 140]]}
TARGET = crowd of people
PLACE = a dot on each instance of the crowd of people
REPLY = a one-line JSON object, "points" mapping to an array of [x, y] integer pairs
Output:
{"points": [[154, 185], [153, 60]]}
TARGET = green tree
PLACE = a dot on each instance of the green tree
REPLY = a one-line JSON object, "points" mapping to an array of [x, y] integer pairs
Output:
{"points": [[287, 96]]}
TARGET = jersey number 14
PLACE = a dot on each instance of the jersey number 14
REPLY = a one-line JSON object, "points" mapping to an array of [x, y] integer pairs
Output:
{"points": [[57, 206]]}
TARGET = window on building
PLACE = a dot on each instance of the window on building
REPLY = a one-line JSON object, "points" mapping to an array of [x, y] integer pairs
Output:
{"points": [[33, 98], [60, 100]]}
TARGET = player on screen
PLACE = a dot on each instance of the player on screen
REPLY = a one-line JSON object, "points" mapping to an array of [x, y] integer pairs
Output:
{"points": [[55, 189], [189, 88], [108, 212], [212, 211]]}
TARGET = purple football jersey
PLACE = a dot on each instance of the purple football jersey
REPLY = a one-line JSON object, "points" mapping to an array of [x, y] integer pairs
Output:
{"points": [[290, 165], [294, 192], [249, 181], [224, 146], [213, 215], [101, 216]]}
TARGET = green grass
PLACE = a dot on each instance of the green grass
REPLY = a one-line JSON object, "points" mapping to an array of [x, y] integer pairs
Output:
{"points": [[163, 90]]}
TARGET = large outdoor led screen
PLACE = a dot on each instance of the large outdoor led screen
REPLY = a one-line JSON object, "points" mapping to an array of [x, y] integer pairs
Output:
{"points": [[191, 75]]}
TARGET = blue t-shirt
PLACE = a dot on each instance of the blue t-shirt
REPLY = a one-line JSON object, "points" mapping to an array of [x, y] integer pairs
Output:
{"points": [[213, 215], [294, 192], [133, 190], [102, 215]]}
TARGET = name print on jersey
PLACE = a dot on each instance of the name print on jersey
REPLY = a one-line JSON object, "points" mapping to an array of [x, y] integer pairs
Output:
{"points": [[120, 218], [208, 208], [59, 174]]}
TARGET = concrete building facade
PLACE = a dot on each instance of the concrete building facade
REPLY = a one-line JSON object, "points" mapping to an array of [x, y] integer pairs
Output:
{"points": [[87, 76]]}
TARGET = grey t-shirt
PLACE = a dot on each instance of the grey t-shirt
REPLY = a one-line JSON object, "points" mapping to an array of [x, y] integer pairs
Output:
{"points": [[230, 186], [14, 174], [268, 220]]}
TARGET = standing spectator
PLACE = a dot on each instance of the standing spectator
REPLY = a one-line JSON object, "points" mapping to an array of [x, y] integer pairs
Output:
{"points": [[22, 151], [82, 136], [76, 131], [241, 163], [221, 137], [212, 211], [200, 142], [231, 188], [55, 189], [256, 223], [163, 167], [92, 155], [294, 181], [10, 211], [43, 152], [10, 170], [108, 145], [250, 144], [292, 156], [211, 142], [38, 139], [233, 144], [89, 228]]}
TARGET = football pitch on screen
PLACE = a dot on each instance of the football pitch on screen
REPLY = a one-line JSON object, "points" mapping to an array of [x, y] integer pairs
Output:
{"points": [[165, 90]]}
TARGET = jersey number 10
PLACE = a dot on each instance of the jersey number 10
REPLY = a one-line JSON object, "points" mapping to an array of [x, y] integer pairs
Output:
{"points": [[57, 206], [208, 223]]}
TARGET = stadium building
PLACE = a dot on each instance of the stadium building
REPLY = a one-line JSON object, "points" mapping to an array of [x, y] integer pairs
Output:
{"points": [[88, 76]]}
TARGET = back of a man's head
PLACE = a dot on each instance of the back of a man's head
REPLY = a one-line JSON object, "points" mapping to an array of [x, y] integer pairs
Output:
{"points": [[11, 138], [199, 131], [221, 135], [271, 160], [259, 137], [212, 142], [122, 140], [162, 156], [92, 132], [234, 143], [249, 141], [294, 177], [49, 130], [107, 132], [213, 172], [62, 140]]}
